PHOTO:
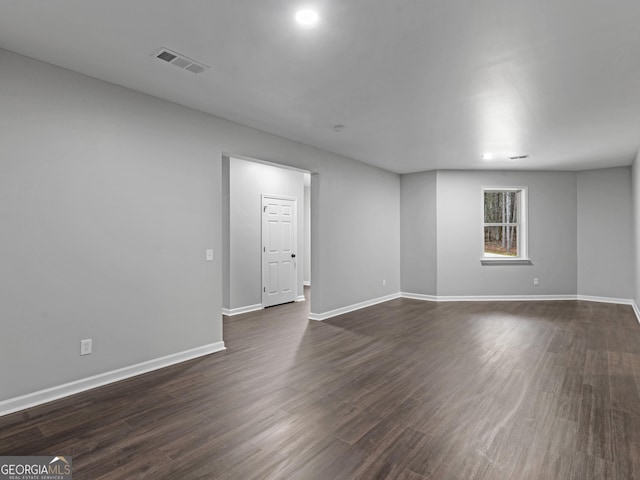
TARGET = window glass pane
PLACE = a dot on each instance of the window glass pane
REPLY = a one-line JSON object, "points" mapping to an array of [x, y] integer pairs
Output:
{"points": [[501, 207], [502, 241], [492, 207], [511, 207]]}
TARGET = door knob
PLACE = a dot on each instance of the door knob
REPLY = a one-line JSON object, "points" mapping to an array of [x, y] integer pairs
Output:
{"points": [[293, 255]]}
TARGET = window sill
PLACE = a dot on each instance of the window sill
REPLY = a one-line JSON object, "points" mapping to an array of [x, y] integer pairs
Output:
{"points": [[506, 261]]}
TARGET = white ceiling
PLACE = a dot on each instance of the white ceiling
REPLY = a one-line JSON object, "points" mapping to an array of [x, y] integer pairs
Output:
{"points": [[418, 84]]}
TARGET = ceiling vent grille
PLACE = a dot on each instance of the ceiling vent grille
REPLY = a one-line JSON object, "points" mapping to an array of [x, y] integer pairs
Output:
{"points": [[180, 60], [519, 157]]}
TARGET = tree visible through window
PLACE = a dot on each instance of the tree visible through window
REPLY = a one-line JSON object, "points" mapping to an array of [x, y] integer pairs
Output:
{"points": [[503, 223]]}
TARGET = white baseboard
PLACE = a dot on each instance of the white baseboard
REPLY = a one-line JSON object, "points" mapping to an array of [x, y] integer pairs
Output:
{"points": [[473, 298], [306, 284], [54, 393], [351, 308], [520, 298], [591, 298], [485, 298], [240, 310], [301, 298], [502, 298], [636, 310], [419, 296]]}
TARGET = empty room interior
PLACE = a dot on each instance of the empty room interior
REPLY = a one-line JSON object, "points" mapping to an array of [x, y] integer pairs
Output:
{"points": [[324, 240]]}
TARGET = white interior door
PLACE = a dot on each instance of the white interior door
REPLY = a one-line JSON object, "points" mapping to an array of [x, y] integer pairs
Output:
{"points": [[278, 250]]}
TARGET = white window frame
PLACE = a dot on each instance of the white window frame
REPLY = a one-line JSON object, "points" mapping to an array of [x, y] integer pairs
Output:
{"points": [[523, 230]]}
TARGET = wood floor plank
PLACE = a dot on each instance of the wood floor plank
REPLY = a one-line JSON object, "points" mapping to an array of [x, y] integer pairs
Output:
{"points": [[586, 467], [405, 390], [594, 425], [624, 394]]}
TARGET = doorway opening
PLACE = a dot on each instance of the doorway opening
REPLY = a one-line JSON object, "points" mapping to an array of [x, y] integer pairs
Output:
{"points": [[267, 234]]}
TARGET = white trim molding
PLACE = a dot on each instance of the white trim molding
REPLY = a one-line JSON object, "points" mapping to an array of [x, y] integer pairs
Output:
{"points": [[521, 298], [522, 222], [591, 298], [301, 298], [419, 296], [503, 298], [636, 310], [505, 261], [511, 298], [306, 283], [29, 400], [472, 298], [240, 310], [352, 308]]}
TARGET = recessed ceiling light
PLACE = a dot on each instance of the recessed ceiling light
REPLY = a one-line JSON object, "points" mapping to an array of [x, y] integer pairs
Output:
{"points": [[307, 17], [487, 156]]}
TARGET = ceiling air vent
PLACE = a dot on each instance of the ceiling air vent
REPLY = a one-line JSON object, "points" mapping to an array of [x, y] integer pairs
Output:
{"points": [[180, 60], [519, 157]]}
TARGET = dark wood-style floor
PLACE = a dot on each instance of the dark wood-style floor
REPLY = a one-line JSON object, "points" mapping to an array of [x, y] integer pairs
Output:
{"points": [[403, 390]]}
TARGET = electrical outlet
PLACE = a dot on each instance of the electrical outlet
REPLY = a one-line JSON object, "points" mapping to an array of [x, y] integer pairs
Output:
{"points": [[535, 282], [209, 255], [86, 346], [384, 283]]}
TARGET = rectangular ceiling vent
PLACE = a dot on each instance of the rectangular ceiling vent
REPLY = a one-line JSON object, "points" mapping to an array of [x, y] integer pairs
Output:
{"points": [[519, 157], [180, 60]]}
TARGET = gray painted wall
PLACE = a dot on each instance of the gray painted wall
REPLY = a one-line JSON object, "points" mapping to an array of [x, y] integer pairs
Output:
{"points": [[358, 213], [248, 181], [307, 234], [635, 181], [605, 233], [573, 219], [226, 228], [418, 233], [109, 199], [552, 234]]}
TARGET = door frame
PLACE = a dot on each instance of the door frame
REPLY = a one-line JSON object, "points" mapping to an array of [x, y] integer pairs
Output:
{"points": [[263, 196], [225, 202]]}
